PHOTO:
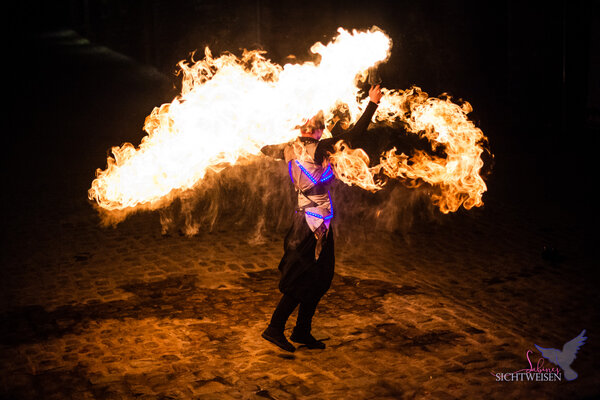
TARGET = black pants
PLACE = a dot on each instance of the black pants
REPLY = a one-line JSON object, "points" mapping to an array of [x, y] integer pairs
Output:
{"points": [[301, 276], [286, 307]]}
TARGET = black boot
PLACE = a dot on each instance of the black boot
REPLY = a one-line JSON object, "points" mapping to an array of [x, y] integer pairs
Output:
{"points": [[307, 339], [301, 333], [274, 332], [278, 338]]}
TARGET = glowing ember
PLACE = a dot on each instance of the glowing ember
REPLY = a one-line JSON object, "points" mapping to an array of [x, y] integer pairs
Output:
{"points": [[231, 107]]}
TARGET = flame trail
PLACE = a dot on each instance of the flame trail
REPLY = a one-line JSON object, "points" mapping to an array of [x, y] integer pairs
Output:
{"points": [[443, 123], [231, 107]]}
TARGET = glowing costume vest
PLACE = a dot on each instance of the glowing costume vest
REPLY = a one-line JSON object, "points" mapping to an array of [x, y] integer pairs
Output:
{"points": [[311, 181]]}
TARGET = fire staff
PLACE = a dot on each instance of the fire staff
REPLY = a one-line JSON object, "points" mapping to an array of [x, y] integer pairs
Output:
{"points": [[308, 262]]}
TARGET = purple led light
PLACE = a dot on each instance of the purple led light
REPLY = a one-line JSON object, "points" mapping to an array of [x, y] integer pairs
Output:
{"points": [[328, 174], [324, 218], [312, 179], [290, 171]]}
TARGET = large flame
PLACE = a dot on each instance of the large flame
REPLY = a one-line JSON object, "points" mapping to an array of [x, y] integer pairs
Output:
{"points": [[231, 107], [444, 123]]}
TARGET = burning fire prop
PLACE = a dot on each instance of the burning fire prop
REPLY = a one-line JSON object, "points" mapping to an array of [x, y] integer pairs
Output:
{"points": [[231, 107]]}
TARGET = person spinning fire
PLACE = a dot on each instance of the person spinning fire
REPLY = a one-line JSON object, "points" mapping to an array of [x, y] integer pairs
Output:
{"points": [[307, 264]]}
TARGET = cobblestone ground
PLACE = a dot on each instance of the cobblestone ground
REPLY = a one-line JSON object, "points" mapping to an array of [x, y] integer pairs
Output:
{"points": [[101, 313]]}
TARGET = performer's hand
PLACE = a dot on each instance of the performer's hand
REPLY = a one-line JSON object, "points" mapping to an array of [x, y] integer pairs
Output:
{"points": [[375, 94]]}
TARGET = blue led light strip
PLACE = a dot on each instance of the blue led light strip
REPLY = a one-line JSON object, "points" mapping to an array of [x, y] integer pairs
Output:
{"points": [[328, 174], [290, 171], [312, 179], [324, 218]]}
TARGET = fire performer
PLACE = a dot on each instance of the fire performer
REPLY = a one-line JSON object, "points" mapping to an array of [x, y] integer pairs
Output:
{"points": [[308, 262]]}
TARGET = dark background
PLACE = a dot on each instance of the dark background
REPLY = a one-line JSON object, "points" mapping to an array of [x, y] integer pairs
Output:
{"points": [[82, 75], [529, 69]]}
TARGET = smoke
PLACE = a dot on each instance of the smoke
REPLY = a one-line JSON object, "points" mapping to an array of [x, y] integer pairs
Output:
{"points": [[200, 164], [252, 195], [258, 197]]}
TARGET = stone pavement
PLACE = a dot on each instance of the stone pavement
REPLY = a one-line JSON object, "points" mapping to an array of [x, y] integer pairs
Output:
{"points": [[426, 312]]}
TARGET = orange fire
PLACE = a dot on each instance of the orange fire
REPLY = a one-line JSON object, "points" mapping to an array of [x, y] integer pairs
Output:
{"points": [[443, 123], [231, 107]]}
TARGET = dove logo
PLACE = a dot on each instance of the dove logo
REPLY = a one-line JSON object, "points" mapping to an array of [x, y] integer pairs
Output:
{"points": [[564, 358]]}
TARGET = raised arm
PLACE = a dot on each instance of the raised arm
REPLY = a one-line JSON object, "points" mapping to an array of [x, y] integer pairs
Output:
{"points": [[326, 145], [363, 122]]}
